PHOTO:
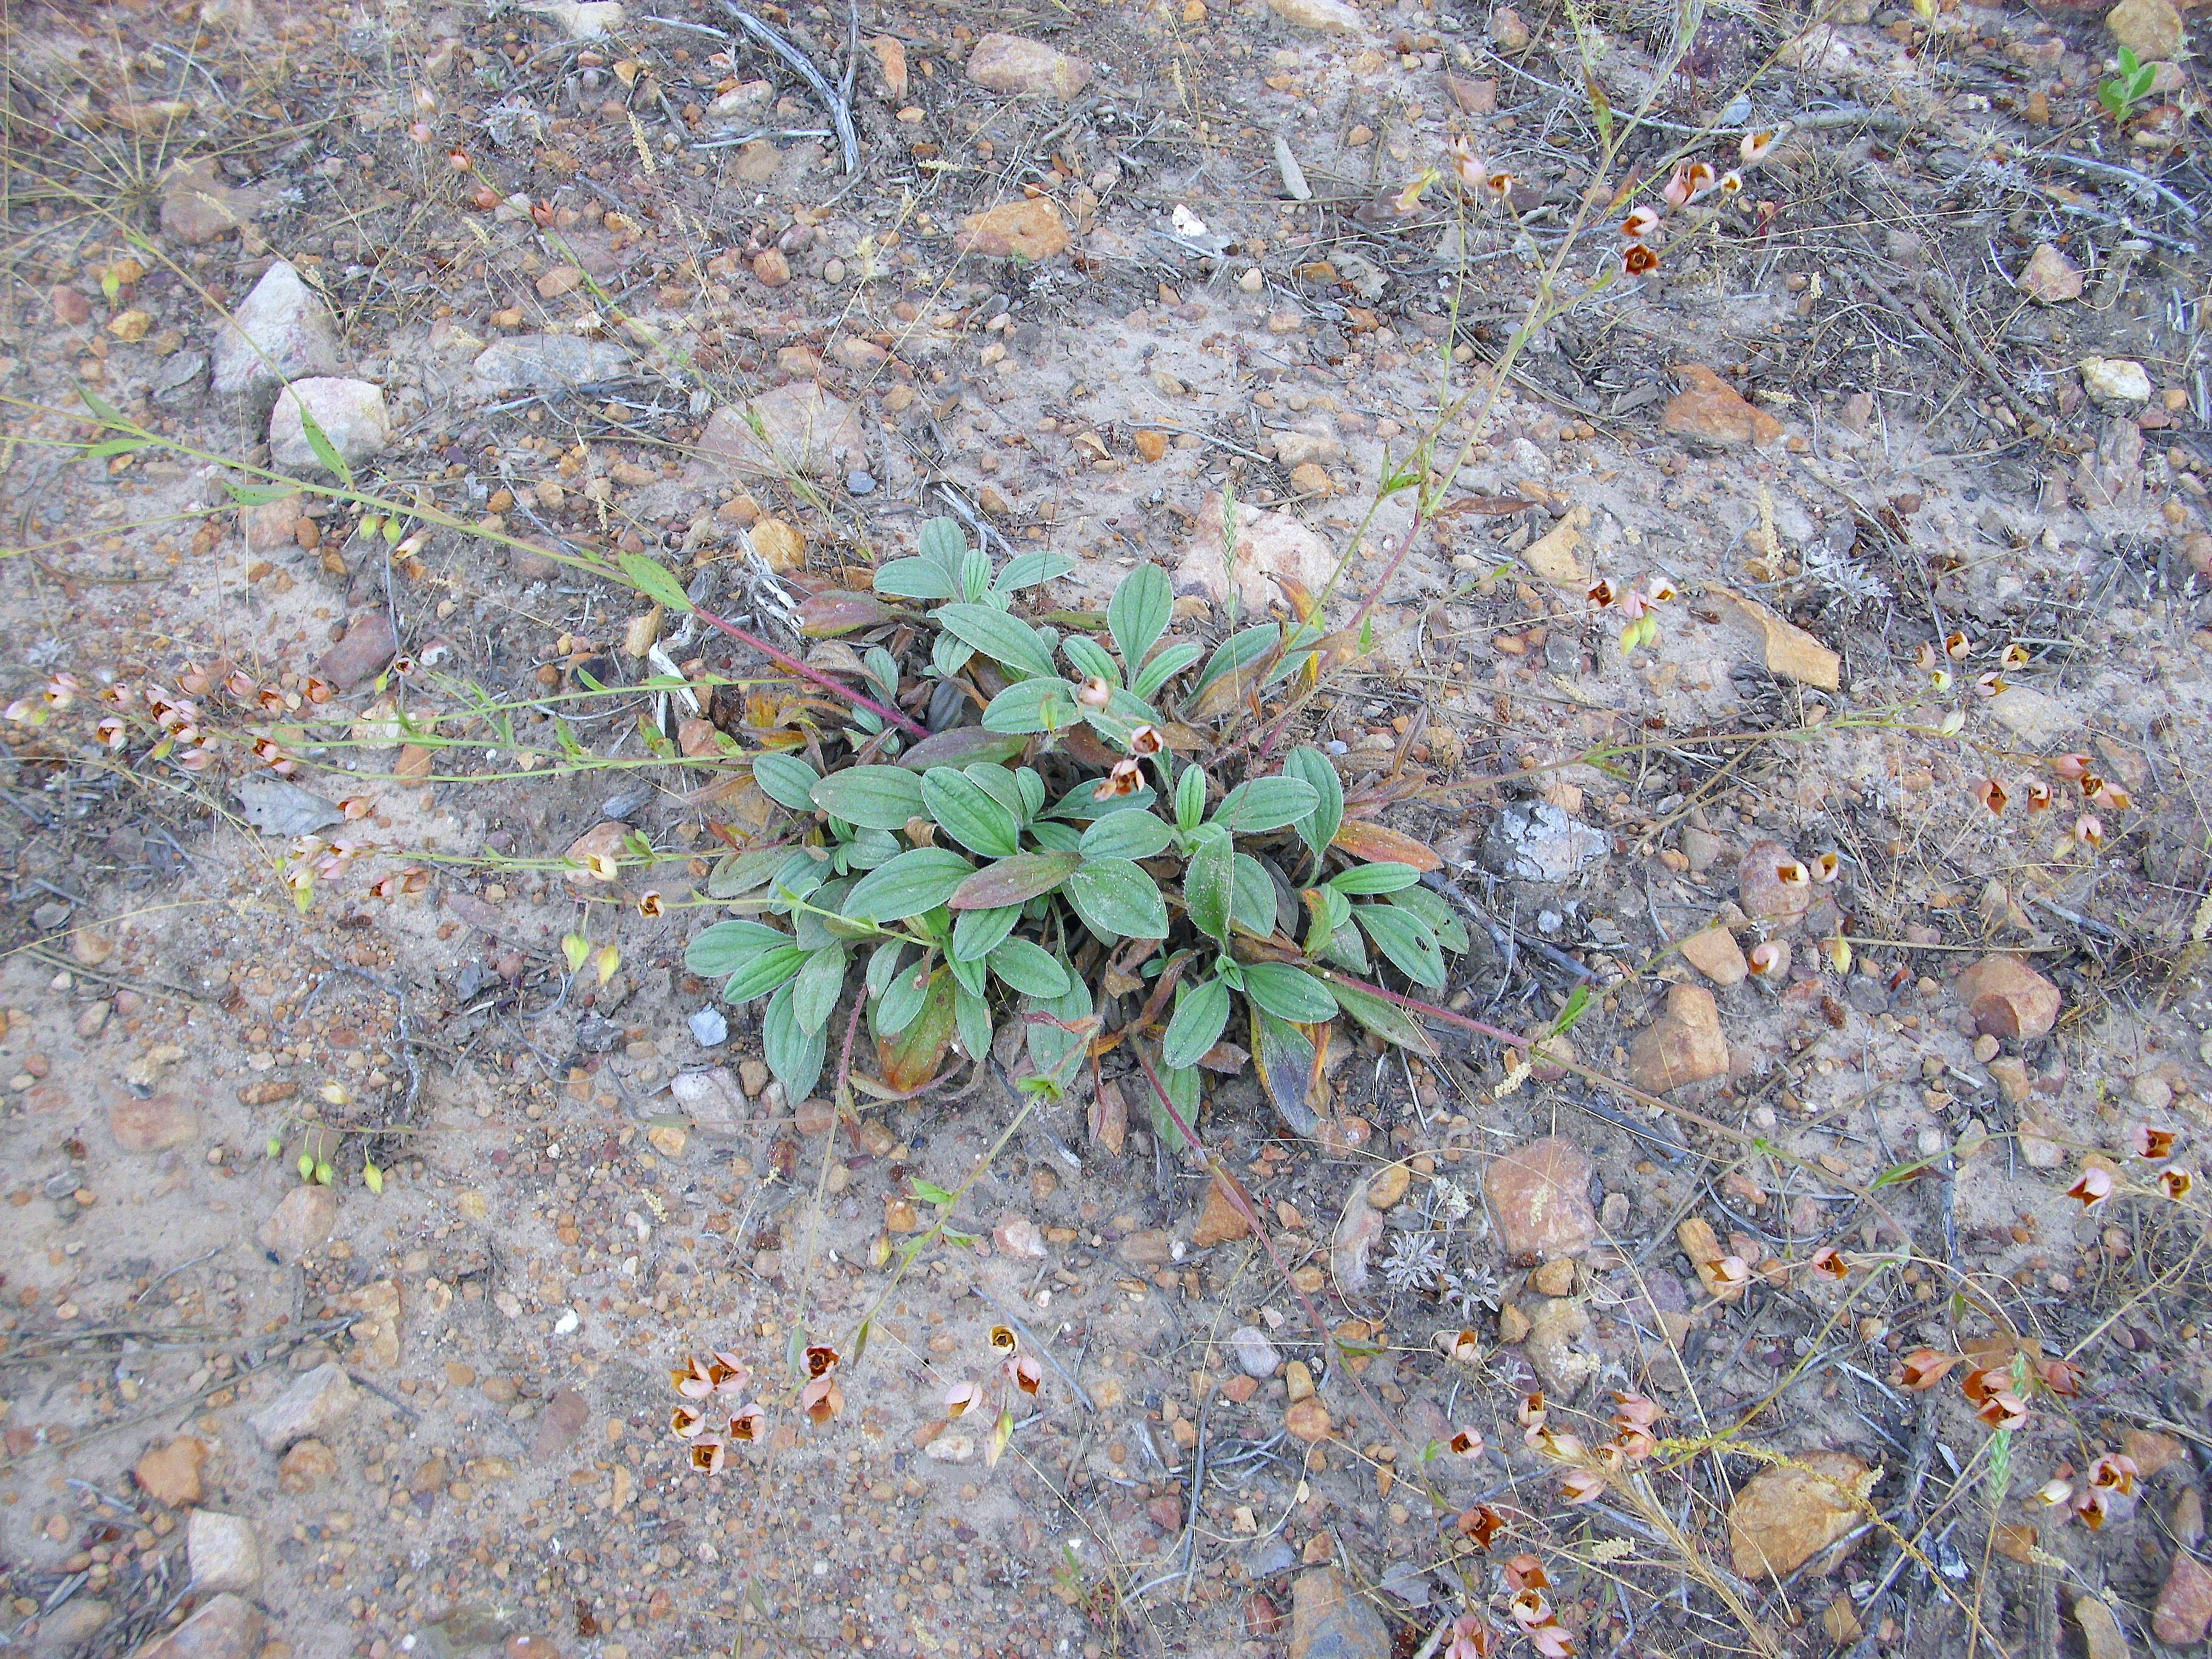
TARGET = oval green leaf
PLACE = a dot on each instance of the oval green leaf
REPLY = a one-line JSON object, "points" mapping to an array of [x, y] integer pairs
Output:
{"points": [[1016, 880]]}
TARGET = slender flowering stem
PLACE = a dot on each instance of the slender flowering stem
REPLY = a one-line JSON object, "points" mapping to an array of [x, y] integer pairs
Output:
{"points": [[905, 723]]}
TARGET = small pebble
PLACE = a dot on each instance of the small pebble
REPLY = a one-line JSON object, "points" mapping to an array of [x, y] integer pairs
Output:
{"points": [[861, 484], [709, 1029]]}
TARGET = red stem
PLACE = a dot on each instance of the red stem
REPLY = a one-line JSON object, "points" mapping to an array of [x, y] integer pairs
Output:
{"points": [[793, 666]]}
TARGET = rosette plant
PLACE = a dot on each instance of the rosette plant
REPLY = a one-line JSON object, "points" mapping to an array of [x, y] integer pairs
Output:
{"points": [[1067, 844]]}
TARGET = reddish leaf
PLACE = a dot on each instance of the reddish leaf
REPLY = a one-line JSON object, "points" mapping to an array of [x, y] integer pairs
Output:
{"points": [[1014, 881], [963, 745], [839, 611], [1376, 845], [911, 1059]]}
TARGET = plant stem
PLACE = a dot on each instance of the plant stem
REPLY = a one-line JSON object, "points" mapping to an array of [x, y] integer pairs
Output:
{"points": [[792, 664]]}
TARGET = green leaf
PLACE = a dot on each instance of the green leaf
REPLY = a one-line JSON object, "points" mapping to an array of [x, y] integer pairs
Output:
{"points": [[901, 1001], [971, 1018], [966, 812], [319, 440], [757, 975], [1190, 798], [929, 1192], [1432, 907], [1258, 805], [814, 994], [1237, 653], [1365, 878], [1089, 659], [1015, 880], [1082, 804], [1128, 836], [1386, 1019], [1118, 899], [914, 579], [910, 884], [788, 781], [1141, 609], [1319, 827], [1577, 1005], [1253, 907], [1181, 1083], [655, 580], [1171, 661], [976, 933], [793, 1052], [999, 636], [1053, 836], [1209, 890], [944, 545], [1029, 790], [1200, 1014], [1055, 1051], [1405, 939], [1030, 969], [1288, 992], [974, 975], [873, 797], [108, 415], [727, 946], [883, 962], [1032, 570], [259, 494], [112, 446], [1033, 705]]}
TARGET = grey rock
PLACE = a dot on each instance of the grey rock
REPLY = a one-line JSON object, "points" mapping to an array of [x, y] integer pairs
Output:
{"points": [[712, 1099], [1264, 1560], [313, 1406], [550, 362], [1255, 1355], [281, 332], [350, 413], [223, 1552], [278, 807], [1329, 1619], [861, 484], [596, 1034], [1535, 840], [177, 382], [807, 431], [559, 1424], [709, 1028]]}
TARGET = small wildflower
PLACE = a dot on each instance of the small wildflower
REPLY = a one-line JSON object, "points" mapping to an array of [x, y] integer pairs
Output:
{"points": [[2095, 1186], [1753, 148], [1829, 1260], [2156, 1144], [1480, 1525], [2176, 1183], [1924, 1368], [2004, 1410], [1580, 1487]]}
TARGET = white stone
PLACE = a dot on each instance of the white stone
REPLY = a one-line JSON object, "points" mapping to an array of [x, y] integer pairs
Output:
{"points": [[583, 20], [549, 362], [350, 413], [310, 1408], [2115, 381], [1329, 16], [223, 1552], [281, 332]]}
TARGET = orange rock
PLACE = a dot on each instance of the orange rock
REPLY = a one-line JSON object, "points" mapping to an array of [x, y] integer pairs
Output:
{"points": [[170, 1474], [1308, 1421], [1540, 1194], [2152, 1451], [1030, 228], [1152, 446], [2009, 999], [1711, 410], [1223, 1219], [1684, 1045], [1785, 1517]]}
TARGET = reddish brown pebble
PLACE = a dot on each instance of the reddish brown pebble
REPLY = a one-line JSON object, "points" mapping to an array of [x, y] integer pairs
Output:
{"points": [[1261, 1618], [771, 268], [71, 307]]}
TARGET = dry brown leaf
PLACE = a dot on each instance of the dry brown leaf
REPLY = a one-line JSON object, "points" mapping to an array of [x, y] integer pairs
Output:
{"points": [[1377, 844]]}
